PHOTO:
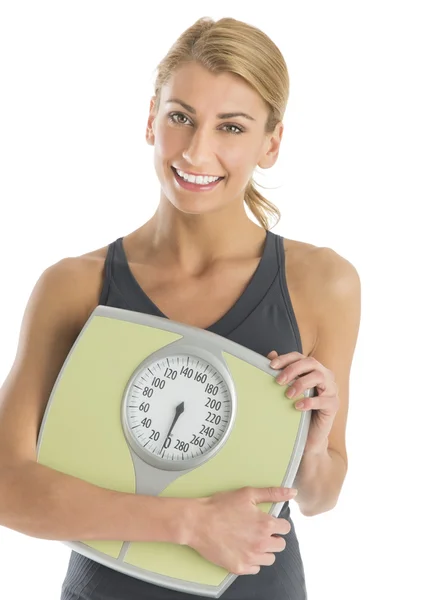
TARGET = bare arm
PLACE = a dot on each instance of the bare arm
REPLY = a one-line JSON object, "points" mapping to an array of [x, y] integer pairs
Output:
{"points": [[227, 528], [323, 470], [37, 500], [41, 502]]}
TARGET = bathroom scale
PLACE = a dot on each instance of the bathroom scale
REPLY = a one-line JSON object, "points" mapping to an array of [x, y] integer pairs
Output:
{"points": [[147, 405]]}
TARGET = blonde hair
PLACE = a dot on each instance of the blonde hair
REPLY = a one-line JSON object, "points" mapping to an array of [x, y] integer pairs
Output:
{"points": [[229, 45]]}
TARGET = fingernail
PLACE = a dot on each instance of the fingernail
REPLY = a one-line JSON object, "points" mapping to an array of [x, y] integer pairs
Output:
{"points": [[275, 363]]}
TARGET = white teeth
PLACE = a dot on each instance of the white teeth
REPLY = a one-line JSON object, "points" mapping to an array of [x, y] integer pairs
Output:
{"points": [[198, 179]]}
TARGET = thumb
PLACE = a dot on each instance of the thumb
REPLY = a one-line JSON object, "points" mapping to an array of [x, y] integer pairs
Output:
{"points": [[273, 354], [273, 494]]}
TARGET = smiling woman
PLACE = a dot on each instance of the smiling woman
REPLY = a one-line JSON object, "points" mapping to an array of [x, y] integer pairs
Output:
{"points": [[216, 114], [233, 84]]}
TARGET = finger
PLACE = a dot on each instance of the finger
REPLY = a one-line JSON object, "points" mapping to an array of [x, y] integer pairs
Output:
{"points": [[315, 379], [266, 560], [282, 526], [300, 367], [328, 405], [301, 384], [272, 354], [285, 359]]}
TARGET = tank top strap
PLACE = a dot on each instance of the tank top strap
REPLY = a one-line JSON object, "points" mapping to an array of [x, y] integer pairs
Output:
{"points": [[107, 274]]}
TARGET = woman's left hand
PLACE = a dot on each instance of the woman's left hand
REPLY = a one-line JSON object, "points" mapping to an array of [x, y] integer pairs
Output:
{"points": [[309, 373]]}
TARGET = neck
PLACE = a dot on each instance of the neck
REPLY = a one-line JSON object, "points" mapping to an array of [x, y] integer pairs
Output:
{"points": [[194, 243]]}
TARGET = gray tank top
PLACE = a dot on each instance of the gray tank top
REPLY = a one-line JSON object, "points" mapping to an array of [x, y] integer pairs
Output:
{"points": [[263, 320]]}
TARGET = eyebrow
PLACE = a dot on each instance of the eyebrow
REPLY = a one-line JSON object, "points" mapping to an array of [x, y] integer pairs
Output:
{"points": [[219, 116]]}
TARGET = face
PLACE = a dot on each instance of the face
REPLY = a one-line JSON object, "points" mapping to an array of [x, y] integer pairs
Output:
{"points": [[197, 130]]}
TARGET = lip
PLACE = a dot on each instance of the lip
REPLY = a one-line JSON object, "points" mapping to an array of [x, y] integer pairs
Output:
{"points": [[194, 187], [196, 174]]}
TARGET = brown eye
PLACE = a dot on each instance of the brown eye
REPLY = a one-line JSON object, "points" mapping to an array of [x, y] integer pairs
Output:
{"points": [[172, 117], [238, 129], [177, 114]]}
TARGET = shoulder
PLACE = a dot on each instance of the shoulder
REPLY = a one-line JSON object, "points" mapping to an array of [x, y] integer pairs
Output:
{"points": [[77, 279], [337, 282], [81, 267], [324, 288], [322, 268]]}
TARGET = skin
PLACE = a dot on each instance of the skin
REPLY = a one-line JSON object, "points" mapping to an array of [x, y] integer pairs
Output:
{"points": [[194, 258], [194, 230], [197, 253]]}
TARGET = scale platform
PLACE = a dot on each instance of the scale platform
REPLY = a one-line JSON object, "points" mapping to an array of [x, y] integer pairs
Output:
{"points": [[146, 405]]}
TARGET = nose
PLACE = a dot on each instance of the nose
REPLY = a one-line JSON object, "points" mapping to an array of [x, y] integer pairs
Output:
{"points": [[199, 150]]}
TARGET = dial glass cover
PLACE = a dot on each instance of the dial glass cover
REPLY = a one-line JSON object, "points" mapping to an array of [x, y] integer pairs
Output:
{"points": [[177, 408]]}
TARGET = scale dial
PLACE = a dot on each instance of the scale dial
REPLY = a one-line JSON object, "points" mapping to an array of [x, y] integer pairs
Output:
{"points": [[178, 409]]}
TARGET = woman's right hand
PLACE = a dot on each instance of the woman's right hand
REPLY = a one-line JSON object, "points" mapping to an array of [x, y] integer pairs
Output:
{"points": [[232, 532]]}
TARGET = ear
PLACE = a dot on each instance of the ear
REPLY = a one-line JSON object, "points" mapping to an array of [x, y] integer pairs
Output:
{"points": [[271, 148], [150, 136]]}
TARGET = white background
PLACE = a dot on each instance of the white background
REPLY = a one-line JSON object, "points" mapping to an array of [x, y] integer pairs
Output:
{"points": [[359, 171]]}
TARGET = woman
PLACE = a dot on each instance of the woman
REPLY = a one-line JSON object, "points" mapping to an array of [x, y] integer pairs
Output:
{"points": [[220, 96]]}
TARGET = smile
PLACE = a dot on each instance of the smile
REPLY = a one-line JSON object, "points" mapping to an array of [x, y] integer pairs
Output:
{"points": [[196, 182]]}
